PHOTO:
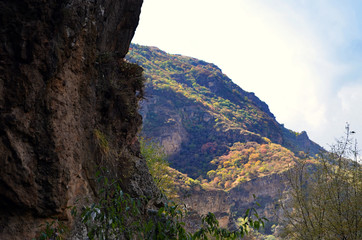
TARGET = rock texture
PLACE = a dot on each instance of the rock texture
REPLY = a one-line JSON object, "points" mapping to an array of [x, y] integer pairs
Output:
{"points": [[172, 136], [62, 80], [228, 206]]}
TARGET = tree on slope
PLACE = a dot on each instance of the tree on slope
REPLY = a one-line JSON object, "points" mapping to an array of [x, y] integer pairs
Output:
{"points": [[324, 198], [158, 165]]}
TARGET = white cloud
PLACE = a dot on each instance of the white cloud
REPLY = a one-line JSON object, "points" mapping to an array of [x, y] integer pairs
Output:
{"points": [[351, 98]]}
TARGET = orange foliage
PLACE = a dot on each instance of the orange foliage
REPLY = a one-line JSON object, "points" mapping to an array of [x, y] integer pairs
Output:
{"points": [[263, 149], [254, 157], [228, 184], [216, 180], [250, 160]]}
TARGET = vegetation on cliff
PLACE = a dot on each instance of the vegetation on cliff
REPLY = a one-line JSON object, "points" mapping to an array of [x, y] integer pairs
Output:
{"points": [[203, 84], [118, 215], [246, 161], [203, 119], [158, 166]]}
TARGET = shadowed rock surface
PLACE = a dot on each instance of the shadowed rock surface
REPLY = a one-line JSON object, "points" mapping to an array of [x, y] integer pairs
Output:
{"points": [[62, 79]]}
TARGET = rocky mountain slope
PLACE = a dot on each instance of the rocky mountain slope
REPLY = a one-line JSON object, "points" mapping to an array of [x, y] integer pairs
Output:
{"points": [[197, 112], [63, 81], [217, 133]]}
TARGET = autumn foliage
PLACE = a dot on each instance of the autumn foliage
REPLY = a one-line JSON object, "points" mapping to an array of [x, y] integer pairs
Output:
{"points": [[246, 161]]}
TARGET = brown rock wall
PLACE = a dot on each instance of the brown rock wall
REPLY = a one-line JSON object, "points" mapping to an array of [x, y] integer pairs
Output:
{"points": [[228, 206], [62, 76]]}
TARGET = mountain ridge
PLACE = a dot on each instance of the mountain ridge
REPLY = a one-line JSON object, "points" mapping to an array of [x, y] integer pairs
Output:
{"points": [[190, 82], [222, 140]]}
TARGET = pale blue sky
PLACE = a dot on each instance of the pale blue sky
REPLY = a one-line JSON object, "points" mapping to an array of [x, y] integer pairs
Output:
{"points": [[302, 57]]}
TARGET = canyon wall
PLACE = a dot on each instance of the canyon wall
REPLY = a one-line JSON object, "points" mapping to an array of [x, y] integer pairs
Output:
{"points": [[63, 84], [230, 205]]}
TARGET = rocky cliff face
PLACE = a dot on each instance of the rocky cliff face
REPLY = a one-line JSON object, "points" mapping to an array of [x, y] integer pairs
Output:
{"points": [[63, 79], [172, 136], [228, 206]]}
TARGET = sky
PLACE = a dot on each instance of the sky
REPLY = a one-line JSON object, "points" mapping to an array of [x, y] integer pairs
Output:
{"points": [[302, 57]]}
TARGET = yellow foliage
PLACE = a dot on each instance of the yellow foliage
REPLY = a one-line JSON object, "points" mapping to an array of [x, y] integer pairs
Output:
{"points": [[226, 164], [254, 157]]}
